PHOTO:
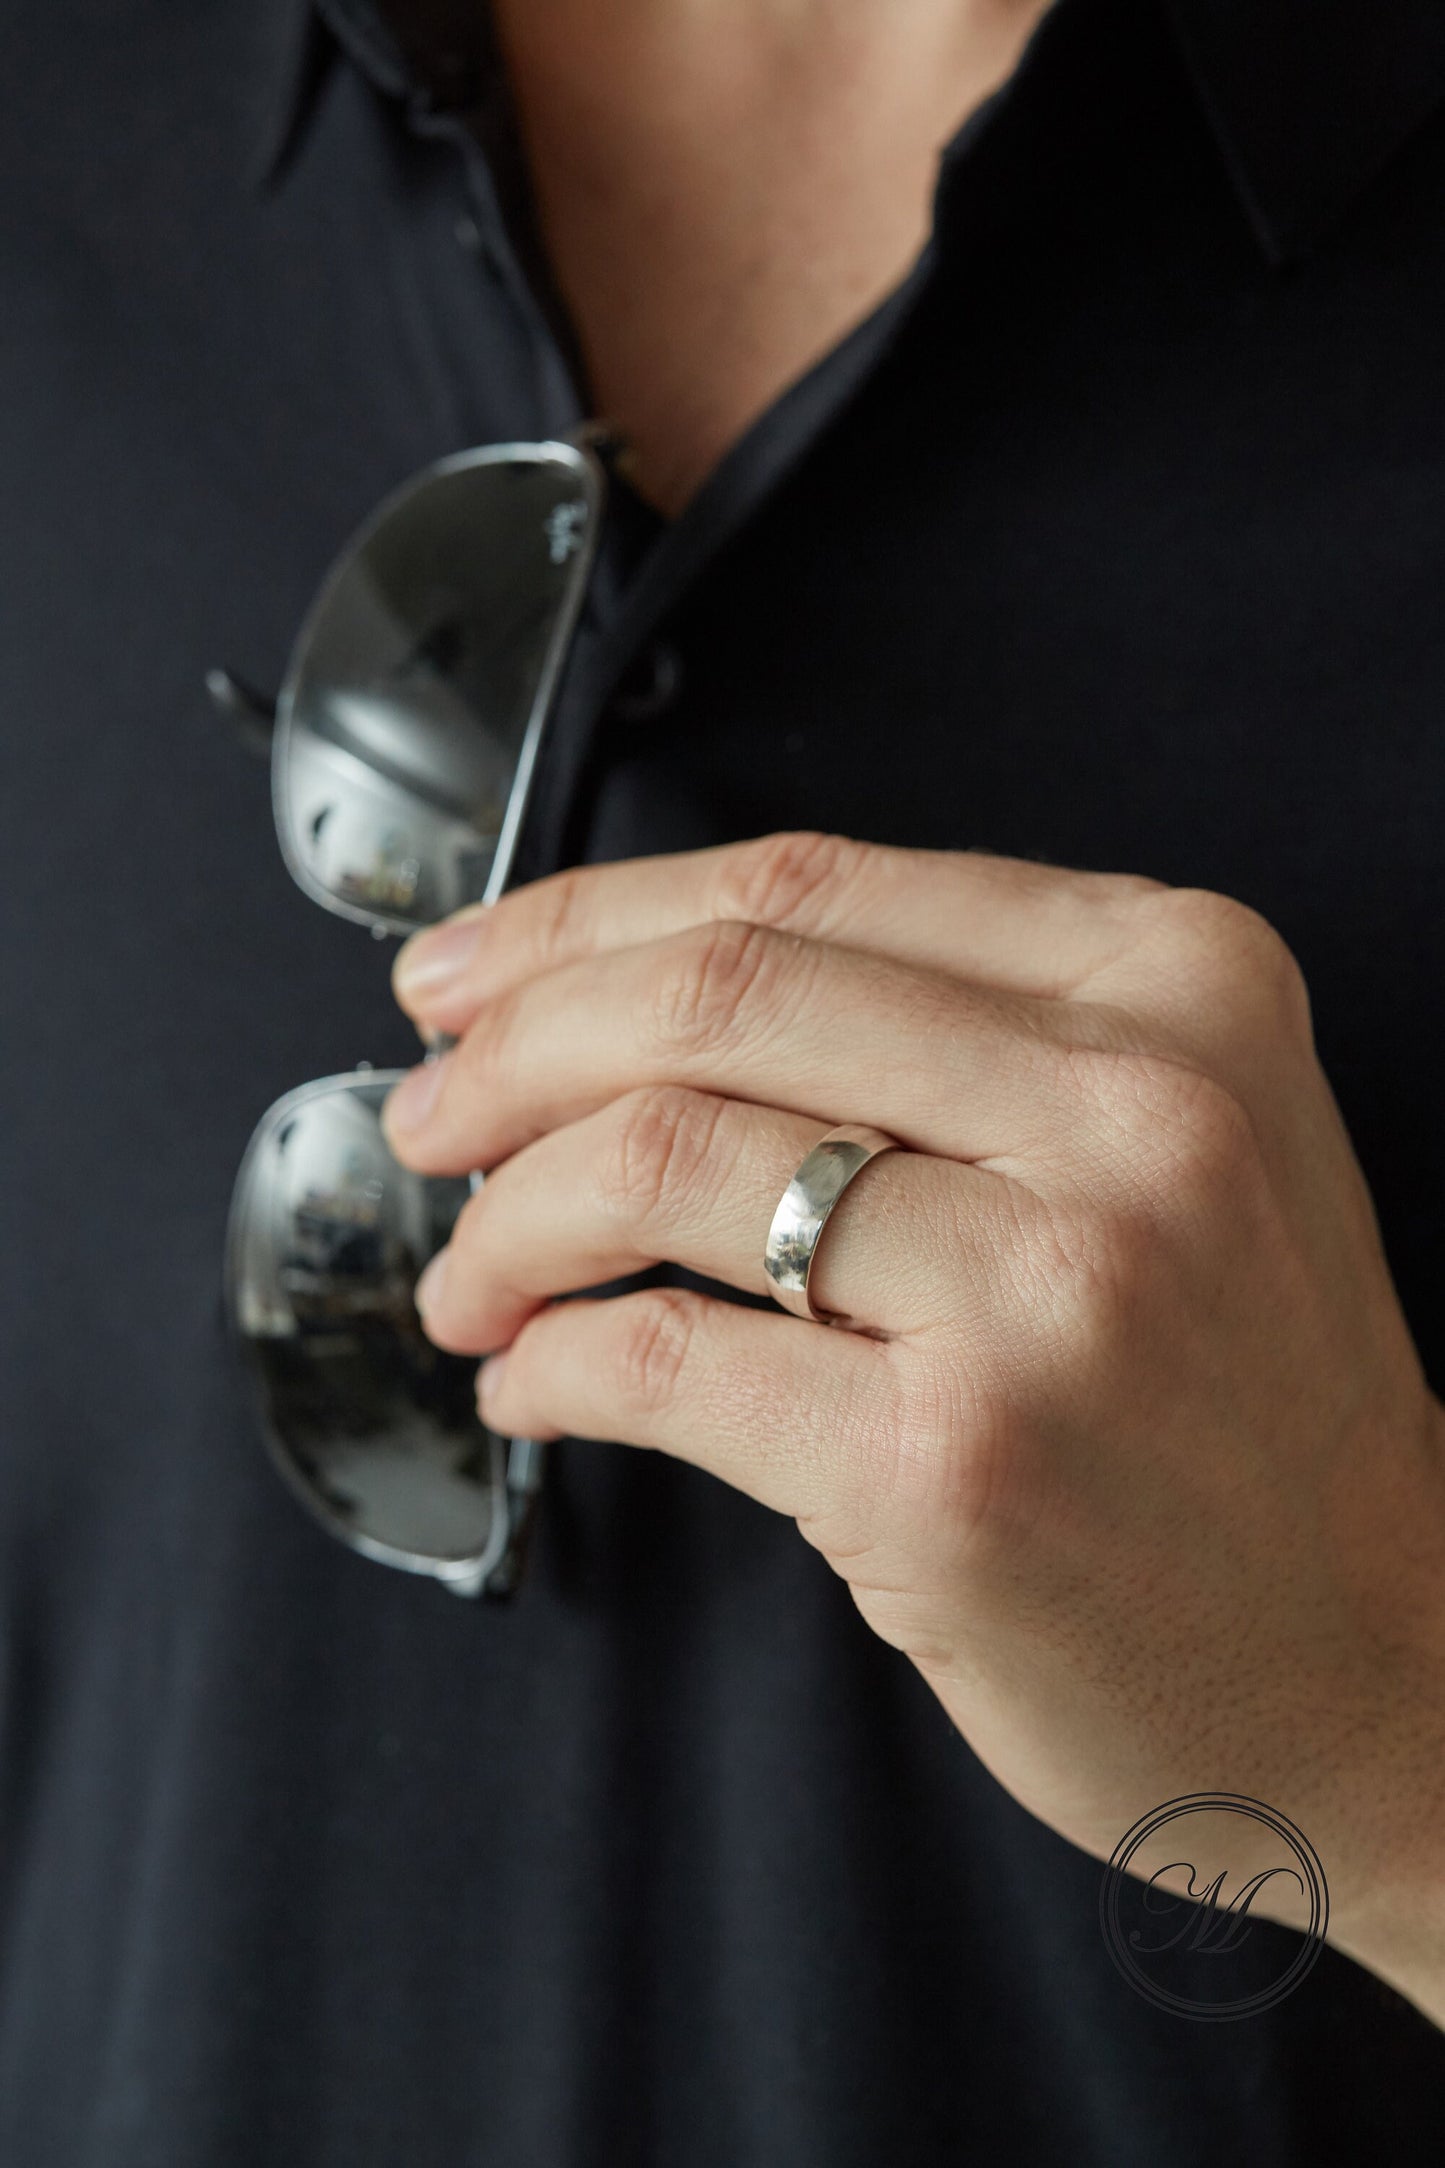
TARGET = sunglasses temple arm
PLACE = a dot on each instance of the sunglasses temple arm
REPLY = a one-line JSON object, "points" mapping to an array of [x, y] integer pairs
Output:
{"points": [[526, 1466]]}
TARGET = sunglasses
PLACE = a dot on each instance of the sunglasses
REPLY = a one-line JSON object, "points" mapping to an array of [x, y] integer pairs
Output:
{"points": [[403, 745]]}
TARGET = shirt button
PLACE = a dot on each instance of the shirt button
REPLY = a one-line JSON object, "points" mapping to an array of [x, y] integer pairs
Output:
{"points": [[650, 685], [468, 233]]}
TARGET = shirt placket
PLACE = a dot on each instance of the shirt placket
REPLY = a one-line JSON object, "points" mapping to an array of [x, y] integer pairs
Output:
{"points": [[643, 566]]}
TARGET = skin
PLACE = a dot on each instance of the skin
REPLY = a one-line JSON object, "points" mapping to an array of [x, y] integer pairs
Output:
{"points": [[706, 266], [1131, 1454]]}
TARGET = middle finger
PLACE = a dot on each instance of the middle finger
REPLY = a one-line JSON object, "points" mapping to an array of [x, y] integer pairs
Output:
{"points": [[812, 1027]]}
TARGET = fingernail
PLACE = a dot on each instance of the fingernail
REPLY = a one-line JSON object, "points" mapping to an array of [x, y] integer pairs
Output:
{"points": [[489, 1378], [429, 1286], [431, 960], [410, 1103]]}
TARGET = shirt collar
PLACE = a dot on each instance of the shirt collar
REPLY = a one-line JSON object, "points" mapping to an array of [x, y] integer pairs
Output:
{"points": [[1308, 99], [299, 39]]}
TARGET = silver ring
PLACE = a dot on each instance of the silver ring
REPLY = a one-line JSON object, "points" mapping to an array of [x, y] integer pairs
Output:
{"points": [[798, 1223]]}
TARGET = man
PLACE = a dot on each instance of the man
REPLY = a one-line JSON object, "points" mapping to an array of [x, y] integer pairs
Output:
{"points": [[1005, 718]]}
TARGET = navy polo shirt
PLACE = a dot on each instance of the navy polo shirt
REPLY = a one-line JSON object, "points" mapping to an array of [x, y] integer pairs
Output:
{"points": [[1114, 538]]}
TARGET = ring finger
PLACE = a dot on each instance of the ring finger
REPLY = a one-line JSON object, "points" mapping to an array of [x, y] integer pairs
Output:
{"points": [[666, 1173]]}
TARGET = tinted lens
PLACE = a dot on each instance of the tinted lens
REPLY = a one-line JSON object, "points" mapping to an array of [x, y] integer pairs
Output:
{"points": [[408, 723], [373, 1425]]}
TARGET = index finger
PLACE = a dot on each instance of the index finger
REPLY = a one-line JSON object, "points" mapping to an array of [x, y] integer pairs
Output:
{"points": [[1005, 922]]}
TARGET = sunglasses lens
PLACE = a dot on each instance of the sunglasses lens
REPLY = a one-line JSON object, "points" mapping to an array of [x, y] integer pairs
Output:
{"points": [[411, 709], [376, 1428]]}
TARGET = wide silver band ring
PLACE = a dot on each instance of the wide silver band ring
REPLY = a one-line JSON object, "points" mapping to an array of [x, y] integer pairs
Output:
{"points": [[798, 1223]]}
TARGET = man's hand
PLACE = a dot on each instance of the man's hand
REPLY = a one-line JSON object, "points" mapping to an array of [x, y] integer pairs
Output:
{"points": [[1133, 1457]]}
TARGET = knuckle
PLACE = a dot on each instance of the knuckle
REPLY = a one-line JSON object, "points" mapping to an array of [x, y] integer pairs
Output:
{"points": [[1198, 918], [1186, 1168], [1214, 1139], [653, 1335], [1119, 1259], [1092, 1273], [1129, 890], [964, 1474], [1125, 902], [1114, 1261], [1168, 1113], [661, 1142], [703, 995], [1236, 946], [953, 1445], [770, 880], [1277, 977]]}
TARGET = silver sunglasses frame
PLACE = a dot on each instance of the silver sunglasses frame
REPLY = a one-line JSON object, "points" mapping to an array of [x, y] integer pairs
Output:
{"points": [[518, 1464], [592, 481]]}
